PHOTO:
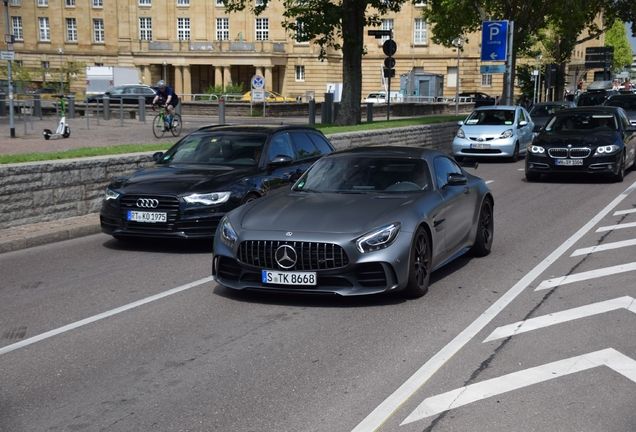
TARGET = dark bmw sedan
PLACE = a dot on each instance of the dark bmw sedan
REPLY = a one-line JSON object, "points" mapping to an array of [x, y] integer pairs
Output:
{"points": [[593, 140], [206, 174]]}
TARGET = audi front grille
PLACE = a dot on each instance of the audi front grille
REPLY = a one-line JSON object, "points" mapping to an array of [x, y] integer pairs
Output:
{"points": [[311, 256], [167, 204]]}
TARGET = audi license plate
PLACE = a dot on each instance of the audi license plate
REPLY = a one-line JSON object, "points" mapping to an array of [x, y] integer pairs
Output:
{"points": [[569, 162], [480, 146], [289, 278], [149, 217]]}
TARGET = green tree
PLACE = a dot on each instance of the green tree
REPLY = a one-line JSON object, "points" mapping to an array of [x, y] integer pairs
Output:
{"points": [[333, 25], [616, 36]]}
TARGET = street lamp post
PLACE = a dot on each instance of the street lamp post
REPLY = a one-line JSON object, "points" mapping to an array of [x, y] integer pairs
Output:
{"points": [[457, 42], [164, 70], [11, 114], [60, 51]]}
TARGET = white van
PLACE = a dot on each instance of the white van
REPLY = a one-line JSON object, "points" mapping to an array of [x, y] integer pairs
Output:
{"points": [[380, 97]]}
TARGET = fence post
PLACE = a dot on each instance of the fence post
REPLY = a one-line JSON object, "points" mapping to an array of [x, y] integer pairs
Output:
{"points": [[142, 109], [312, 111], [37, 105], [369, 111], [222, 111], [106, 101], [71, 106], [3, 106]]}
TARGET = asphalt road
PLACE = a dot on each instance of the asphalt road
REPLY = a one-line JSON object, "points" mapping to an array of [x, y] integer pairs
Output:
{"points": [[538, 336]]}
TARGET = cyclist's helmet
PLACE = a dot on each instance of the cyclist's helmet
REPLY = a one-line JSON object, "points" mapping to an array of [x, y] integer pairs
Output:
{"points": [[161, 84]]}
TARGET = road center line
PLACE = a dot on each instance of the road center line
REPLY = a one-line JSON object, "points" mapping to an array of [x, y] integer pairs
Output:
{"points": [[383, 412], [103, 315]]}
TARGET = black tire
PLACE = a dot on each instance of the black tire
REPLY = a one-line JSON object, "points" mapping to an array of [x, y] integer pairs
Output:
{"points": [[67, 132], [176, 127], [249, 198], [419, 265], [533, 177], [158, 128], [515, 154], [485, 230], [618, 178], [47, 137]]}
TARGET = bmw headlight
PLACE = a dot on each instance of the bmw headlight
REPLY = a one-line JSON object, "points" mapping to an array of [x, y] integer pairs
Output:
{"points": [[506, 134], [379, 239], [606, 150], [228, 235], [208, 199], [460, 133], [111, 195], [535, 149]]}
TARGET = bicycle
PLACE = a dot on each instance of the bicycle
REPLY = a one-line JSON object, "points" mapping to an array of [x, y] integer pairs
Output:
{"points": [[160, 123]]}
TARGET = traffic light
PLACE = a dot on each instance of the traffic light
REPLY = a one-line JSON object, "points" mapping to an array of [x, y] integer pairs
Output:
{"points": [[389, 48]]}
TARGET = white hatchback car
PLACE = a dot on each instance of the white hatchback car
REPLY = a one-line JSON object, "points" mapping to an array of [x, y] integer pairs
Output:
{"points": [[502, 131]]}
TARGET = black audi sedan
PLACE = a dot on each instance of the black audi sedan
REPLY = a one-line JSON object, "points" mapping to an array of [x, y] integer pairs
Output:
{"points": [[593, 140], [206, 174], [129, 94]]}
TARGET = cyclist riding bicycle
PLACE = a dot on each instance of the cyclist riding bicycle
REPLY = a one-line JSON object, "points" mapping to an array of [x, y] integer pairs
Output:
{"points": [[168, 98]]}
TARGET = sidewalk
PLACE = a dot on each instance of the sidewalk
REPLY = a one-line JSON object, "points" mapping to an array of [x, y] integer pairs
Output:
{"points": [[106, 133]]}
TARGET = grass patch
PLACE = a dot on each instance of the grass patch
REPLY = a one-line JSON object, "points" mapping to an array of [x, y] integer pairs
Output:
{"points": [[139, 148]]}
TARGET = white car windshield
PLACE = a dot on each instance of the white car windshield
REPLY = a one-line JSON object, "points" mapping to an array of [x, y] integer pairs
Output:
{"points": [[491, 118]]}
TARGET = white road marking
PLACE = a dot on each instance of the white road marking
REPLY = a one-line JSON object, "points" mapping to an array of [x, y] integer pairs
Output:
{"points": [[609, 357], [604, 247], [383, 412], [592, 274], [615, 227], [563, 316], [489, 181], [103, 315], [622, 212]]}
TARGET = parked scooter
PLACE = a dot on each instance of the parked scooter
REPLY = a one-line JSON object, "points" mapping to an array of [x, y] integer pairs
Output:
{"points": [[63, 130]]}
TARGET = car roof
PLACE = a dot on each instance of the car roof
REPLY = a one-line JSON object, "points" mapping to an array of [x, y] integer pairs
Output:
{"points": [[597, 109], [387, 152], [264, 129], [496, 107]]}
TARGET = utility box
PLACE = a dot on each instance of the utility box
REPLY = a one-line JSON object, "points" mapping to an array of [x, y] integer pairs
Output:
{"points": [[336, 89], [100, 79], [420, 86]]}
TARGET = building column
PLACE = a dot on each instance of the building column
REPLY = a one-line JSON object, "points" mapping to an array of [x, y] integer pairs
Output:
{"points": [[227, 76], [218, 75], [268, 78], [187, 83], [178, 80]]}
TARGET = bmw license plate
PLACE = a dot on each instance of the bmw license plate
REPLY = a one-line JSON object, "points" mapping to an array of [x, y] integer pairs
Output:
{"points": [[288, 278], [149, 217], [568, 162], [480, 146]]}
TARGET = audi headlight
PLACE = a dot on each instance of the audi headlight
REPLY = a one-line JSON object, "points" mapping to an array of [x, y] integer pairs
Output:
{"points": [[208, 199], [228, 235], [506, 134], [460, 133], [111, 195], [379, 239], [535, 149], [606, 150]]}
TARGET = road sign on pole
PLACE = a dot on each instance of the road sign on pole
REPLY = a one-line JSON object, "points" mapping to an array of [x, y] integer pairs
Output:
{"points": [[494, 41], [258, 82]]}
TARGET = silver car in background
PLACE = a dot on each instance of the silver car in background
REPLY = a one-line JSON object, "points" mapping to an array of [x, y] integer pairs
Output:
{"points": [[494, 131]]}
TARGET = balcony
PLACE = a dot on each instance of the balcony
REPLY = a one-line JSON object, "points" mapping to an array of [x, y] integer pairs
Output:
{"points": [[156, 47]]}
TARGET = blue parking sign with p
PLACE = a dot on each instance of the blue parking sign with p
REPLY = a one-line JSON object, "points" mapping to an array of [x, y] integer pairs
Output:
{"points": [[494, 40]]}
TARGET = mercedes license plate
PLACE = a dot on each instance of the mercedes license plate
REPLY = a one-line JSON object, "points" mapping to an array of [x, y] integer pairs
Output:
{"points": [[569, 162], [288, 278], [480, 146], [149, 217]]}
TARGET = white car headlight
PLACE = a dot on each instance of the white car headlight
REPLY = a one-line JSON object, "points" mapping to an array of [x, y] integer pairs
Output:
{"points": [[606, 150], [379, 239], [208, 199], [506, 134], [535, 149], [228, 235], [460, 133], [111, 195]]}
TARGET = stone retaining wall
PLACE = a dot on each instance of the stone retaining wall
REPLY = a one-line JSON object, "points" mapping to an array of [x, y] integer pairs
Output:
{"points": [[40, 192]]}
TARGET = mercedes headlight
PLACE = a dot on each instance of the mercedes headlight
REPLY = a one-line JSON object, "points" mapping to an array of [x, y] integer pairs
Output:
{"points": [[506, 134], [607, 150], [208, 199], [379, 239], [111, 195], [228, 235]]}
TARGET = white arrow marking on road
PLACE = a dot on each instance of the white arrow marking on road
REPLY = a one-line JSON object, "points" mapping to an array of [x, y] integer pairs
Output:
{"points": [[592, 274], [604, 247], [609, 357], [563, 316], [614, 227]]}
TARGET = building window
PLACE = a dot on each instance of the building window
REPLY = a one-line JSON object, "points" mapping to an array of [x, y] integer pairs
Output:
{"points": [[262, 28], [183, 28], [301, 33], [300, 73], [16, 24], [387, 24], [451, 73], [420, 3], [486, 80], [43, 2], [144, 3], [45, 30], [19, 63], [15, 2], [98, 30], [222, 29], [258, 2], [98, 3], [46, 66], [69, 3], [220, 3], [145, 28], [71, 30], [183, 2], [419, 31]]}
